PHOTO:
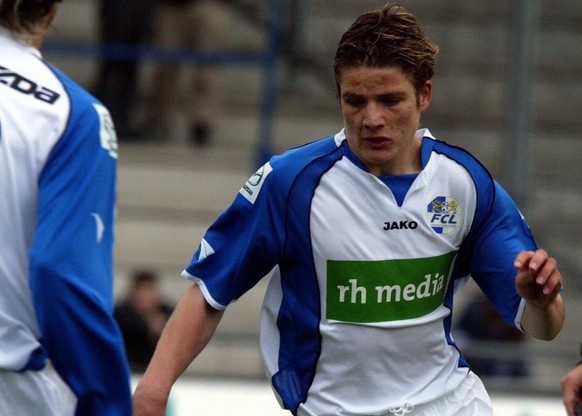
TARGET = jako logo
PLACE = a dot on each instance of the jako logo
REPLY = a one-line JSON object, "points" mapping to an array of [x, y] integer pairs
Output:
{"points": [[444, 214], [400, 225]]}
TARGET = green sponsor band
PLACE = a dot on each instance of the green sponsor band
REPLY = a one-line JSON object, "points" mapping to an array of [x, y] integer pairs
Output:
{"points": [[386, 290]]}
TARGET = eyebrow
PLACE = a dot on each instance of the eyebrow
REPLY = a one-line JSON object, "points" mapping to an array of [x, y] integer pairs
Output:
{"points": [[393, 95], [396, 95]]}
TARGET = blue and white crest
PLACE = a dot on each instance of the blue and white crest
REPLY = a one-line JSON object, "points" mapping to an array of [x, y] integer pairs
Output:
{"points": [[444, 214]]}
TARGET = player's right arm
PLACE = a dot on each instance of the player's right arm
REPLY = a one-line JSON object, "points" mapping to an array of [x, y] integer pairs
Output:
{"points": [[189, 329], [572, 389]]}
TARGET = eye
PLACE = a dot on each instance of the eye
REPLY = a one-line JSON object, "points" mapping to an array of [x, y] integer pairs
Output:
{"points": [[390, 100], [354, 101]]}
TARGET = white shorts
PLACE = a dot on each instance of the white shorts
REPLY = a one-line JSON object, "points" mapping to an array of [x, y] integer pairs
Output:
{"points": [[469, 399], [35, 393]]}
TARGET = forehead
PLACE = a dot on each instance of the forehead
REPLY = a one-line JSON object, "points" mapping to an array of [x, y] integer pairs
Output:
{"points": [[365, 79]]}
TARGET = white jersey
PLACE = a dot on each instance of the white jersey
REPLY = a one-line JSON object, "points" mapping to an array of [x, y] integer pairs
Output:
{"points": [[356, 319], [57, 195]]}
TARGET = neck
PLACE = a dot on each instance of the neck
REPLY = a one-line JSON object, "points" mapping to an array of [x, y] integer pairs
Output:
{"points": [[33, 39]]}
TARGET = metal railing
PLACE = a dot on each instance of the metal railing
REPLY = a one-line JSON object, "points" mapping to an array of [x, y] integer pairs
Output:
{"points": [[266, 59]]}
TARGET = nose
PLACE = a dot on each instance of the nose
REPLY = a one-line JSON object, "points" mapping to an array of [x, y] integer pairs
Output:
{"points": [[373, 116]]}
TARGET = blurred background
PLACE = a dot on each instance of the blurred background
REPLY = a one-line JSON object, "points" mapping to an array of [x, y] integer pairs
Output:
{"points": [[507, 88]]}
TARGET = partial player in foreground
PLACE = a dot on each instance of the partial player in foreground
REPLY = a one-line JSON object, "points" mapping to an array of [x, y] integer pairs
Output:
{"points": [[369, 231], [572, 389], [61, 352]]}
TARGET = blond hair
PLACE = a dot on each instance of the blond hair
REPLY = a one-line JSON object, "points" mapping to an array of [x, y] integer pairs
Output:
{"points": [[390, 36]]}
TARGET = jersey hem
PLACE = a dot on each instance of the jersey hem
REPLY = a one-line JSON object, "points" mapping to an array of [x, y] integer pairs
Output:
{"points": [[209, 299]]}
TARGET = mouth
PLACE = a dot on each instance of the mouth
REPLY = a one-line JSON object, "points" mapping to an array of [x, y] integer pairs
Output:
{"points": [[376, 142]]}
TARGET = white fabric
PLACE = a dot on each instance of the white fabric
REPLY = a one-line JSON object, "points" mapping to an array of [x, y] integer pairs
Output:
{"points": [[35, 393], [29, 130]]}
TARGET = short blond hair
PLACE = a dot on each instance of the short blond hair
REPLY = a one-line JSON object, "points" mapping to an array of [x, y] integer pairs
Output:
{"points": [[390, 36]]}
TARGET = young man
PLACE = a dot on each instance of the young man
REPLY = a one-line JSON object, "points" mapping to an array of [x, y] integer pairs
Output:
{"points": [[369, 232], [61, 352]]}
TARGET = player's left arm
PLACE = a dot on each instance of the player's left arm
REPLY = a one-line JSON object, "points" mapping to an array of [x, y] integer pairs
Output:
{"points": [[538, 281], [72, 262], [521, 280]]}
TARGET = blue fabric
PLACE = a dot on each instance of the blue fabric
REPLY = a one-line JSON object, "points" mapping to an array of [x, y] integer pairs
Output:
{"points": [[37, 361], [252, 238], [399, 185], [71, 264]]}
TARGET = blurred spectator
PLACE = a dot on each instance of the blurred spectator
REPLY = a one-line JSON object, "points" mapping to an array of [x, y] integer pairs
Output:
{"points": [[481, 322], [141, 316], [127, 25], [183, 24]]}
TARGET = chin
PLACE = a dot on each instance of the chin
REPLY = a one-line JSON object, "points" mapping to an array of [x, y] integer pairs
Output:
{"points": [[378, 157]]}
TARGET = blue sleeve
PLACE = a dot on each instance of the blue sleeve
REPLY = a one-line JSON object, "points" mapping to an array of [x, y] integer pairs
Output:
{"points": [[251, 236], [71, 271], [503, 234], [244, 243]]}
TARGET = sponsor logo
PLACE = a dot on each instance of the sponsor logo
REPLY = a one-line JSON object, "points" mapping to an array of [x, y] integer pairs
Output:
{"points": [[252, 187], [386, 290], [27, 87], [400, 225], [444, 214]]}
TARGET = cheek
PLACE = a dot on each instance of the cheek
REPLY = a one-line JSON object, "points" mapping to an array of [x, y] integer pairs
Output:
{"points": [[406, 119], [350, 120]]}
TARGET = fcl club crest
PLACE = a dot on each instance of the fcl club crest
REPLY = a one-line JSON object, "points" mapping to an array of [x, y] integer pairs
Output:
{"points": [[444, 214]]}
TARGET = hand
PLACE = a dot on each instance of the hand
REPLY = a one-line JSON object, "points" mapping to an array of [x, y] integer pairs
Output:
{"points": [[571, 384], [538, 279], [146, 404]]}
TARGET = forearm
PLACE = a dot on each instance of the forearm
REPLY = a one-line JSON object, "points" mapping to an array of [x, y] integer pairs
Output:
{"points": [[543, 322], [186, 334]]}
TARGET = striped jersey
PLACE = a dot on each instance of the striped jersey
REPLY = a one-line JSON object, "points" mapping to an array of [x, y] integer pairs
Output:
{"points": [[356, 319], [57, 184]]}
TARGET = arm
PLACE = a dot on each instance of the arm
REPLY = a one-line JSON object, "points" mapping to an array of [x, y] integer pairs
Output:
{"points": [[186, 334], [511, 270], [538, 282], [71, 262]]}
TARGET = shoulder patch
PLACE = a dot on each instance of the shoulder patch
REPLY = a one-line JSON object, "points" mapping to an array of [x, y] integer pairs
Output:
{"points": [[107, 130], [252, 187]]}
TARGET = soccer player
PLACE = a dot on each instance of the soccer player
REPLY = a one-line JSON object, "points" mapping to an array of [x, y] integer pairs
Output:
{"points": [[61, 352], [369, 231]]}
